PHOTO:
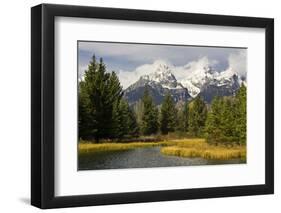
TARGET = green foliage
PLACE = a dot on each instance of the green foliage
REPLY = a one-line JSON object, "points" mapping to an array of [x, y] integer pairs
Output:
{"points": [[241, 125], [124, 121], [119, 120], [226, 120], [138, 110], [213, 127], [134, 130], [197, 114], [183, 118], [98, 92], [149, 121], [168, 116], [84, 121]]}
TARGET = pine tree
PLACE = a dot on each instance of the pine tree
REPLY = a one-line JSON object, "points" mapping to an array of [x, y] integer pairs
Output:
{"points": [[183, 118], [213, 128], [124, 121], [197, 116], [87, 121], [168, 115], [229, 119], [84, 120], [138, 110], [119, 119], [149, 121], [99, 90], [132, 124], [226, 120], [241, 124]]}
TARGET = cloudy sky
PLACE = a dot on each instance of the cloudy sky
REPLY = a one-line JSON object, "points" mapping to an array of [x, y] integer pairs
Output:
{"points": [[130, 61]]}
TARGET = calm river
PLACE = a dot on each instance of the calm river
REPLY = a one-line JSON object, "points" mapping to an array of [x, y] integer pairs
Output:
{"points": [[142, 158]]}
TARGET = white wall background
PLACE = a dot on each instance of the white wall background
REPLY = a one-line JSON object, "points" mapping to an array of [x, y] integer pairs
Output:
{"points": [[15, 106]]}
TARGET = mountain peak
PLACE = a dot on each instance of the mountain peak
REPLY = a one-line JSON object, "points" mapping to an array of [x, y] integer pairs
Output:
{"points": [[163, 75], [209, 69], [199, 79], [161, 68], [159, 82]]}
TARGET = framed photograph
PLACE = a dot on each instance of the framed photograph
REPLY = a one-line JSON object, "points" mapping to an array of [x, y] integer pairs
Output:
{"points": [[136, 106]]}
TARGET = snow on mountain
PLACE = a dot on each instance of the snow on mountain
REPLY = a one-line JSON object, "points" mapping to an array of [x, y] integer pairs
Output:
{"points": [[164, 76], [197, 79], [159, 82], [201, 80], [192, 89], [208, 83]]}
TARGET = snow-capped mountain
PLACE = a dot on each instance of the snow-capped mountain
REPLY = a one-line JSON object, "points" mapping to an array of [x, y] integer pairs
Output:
{"points": [[203, 81], [196, 79], [208, 83], [158, 83], [164, 76]]}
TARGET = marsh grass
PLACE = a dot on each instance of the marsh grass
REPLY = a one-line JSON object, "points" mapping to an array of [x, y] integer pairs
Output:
{"points": [[88, 147], [204, 150], [193, 147]]}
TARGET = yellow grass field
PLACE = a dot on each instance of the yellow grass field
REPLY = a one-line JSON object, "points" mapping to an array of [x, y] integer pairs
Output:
{"points": [[194, 147], [199, 148]]}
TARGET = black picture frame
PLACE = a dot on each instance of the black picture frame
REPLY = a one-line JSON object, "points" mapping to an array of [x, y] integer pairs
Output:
{"points": [[43, 102]]}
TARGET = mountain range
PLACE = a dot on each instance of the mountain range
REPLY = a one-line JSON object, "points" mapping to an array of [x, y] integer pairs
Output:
{"points": [[205, 82]]}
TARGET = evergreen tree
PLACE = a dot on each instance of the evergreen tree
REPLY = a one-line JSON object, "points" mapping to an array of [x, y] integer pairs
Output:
{"points": [[183, 118], [197, 116], [229, 119], [138, 110], [149, 121], [119, 120], [124, 121], [226, 120], [84, 120], [87, 122], [168, 115], [241, 124], [213, 129], [132, 124], [99, 90]]}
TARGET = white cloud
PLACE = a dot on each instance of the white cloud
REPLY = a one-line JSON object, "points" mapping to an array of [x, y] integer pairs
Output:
{"points": [[129, 77], [238, 62], [181, 72]]}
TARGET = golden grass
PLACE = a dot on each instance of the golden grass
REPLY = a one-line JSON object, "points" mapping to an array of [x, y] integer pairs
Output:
{"points": [[194, 147], [89, 147], [204, 150]]}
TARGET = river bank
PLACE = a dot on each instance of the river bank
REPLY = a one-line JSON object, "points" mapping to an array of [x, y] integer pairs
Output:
{"points": [[187, 147]]}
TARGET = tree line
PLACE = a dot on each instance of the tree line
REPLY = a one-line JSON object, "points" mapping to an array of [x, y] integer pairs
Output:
{"points": [[105, 114]]}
